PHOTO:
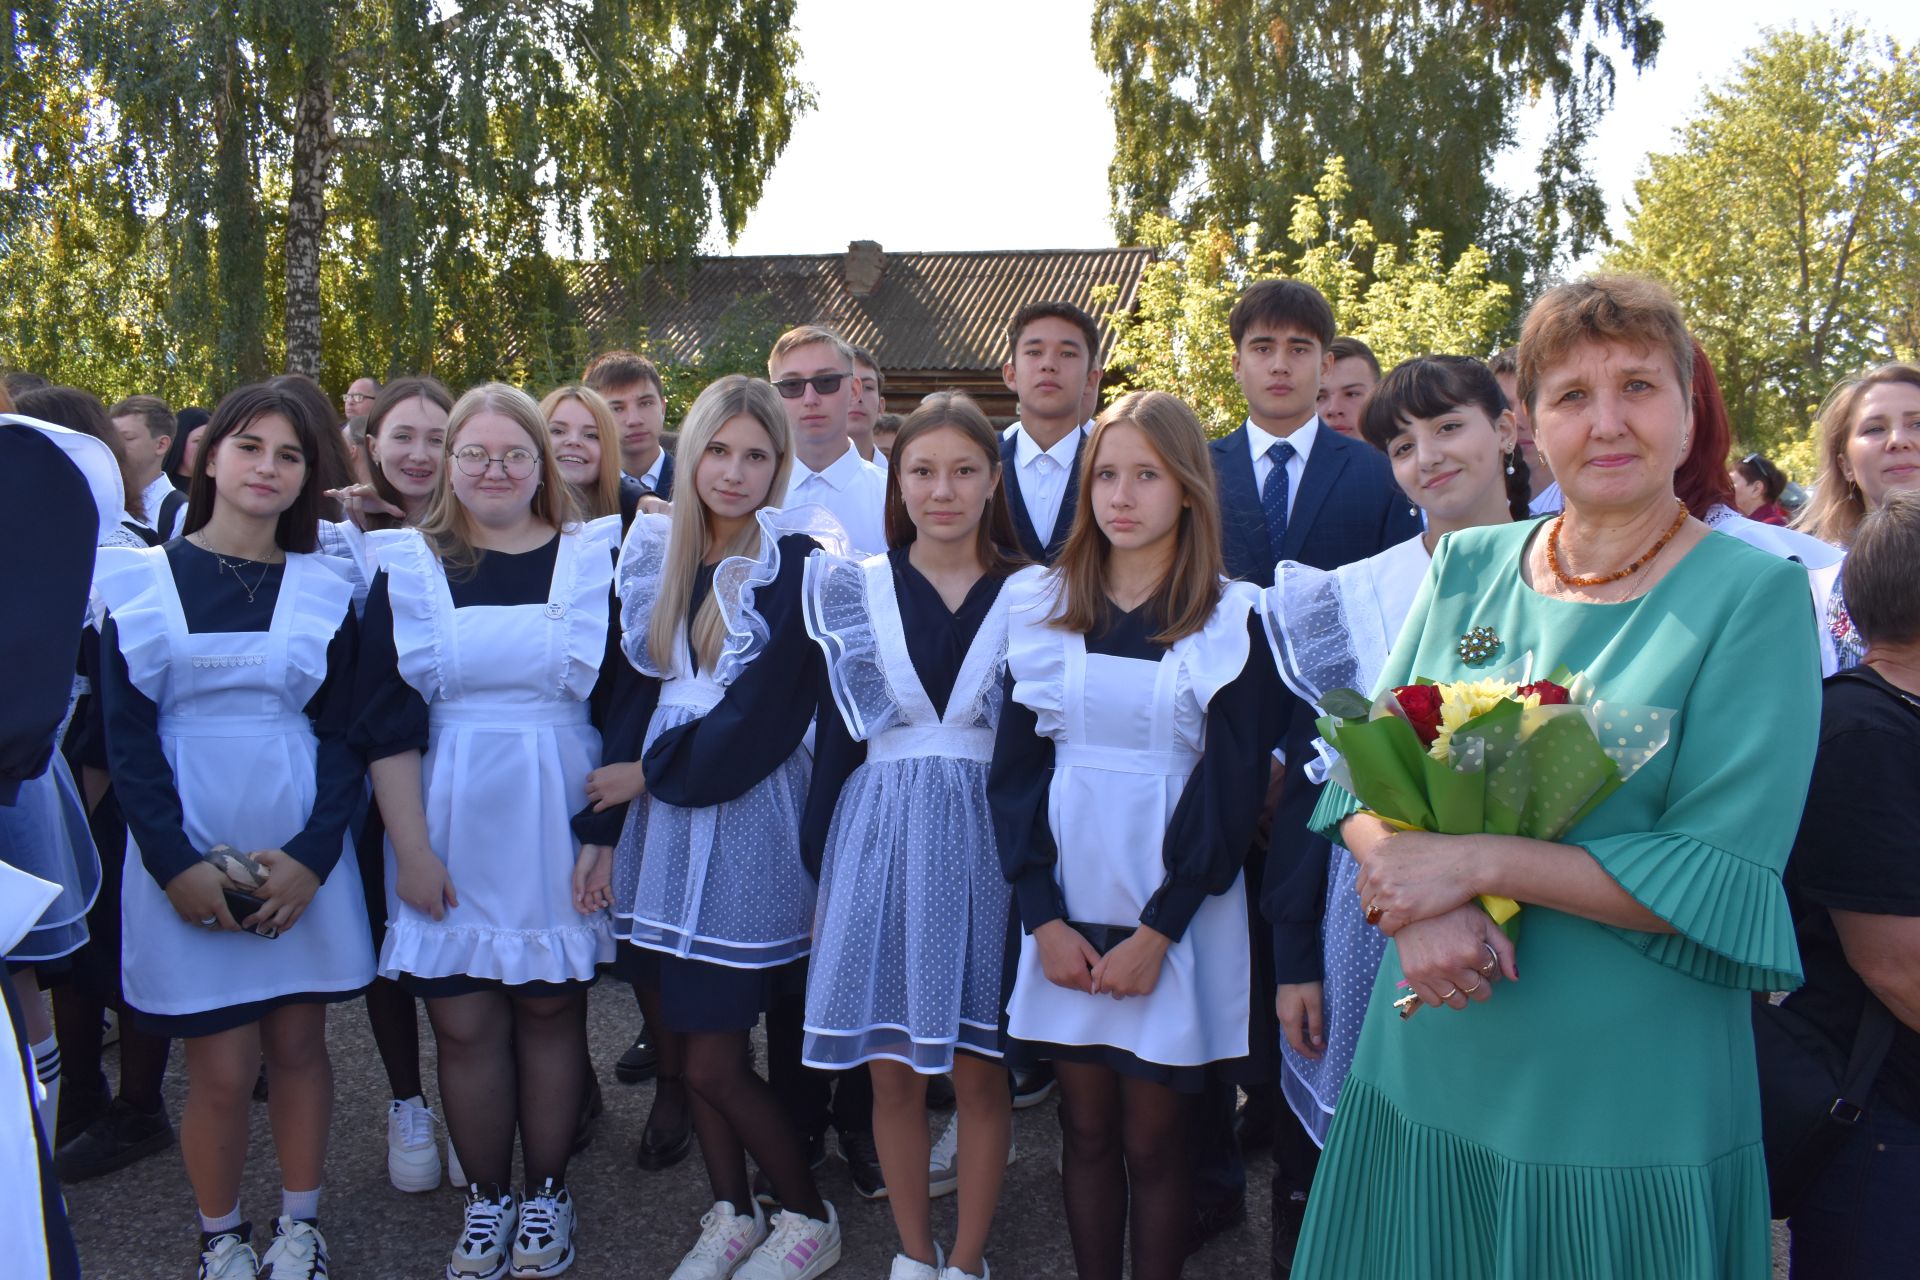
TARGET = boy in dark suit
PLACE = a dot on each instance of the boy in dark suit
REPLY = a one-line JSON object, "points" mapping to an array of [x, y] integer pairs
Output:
{"points": [[630, 384], [1051, 365], [1290, 489]]}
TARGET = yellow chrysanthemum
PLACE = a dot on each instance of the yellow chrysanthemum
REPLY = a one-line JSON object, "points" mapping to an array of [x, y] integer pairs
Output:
{"points": [[1462, 700]]}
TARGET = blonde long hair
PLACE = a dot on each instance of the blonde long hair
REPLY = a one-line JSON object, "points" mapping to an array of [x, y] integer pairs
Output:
{"points": [[689, 538], [604, 498], [1837, 506], [446, 525], [1188, 594]]}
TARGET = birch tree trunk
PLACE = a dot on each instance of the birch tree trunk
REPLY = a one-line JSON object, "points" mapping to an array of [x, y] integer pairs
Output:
{"points": [[314, 143]]}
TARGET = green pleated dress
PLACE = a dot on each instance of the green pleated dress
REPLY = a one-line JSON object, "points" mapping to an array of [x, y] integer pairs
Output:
{"points": [[1600, 1117]]}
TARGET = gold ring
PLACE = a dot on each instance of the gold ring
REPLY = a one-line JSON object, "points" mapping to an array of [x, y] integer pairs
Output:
{"points": [[1467, 991], [1451, 993], [1493, 959], [1374, 912]]}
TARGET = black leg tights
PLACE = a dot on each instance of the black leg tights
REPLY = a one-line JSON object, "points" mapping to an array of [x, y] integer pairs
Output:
{"points": [[1119, 1131], [77, 1015], [475, 1036], [670, 1076], [736, 1113], [396, 1034], [550, 1049]]}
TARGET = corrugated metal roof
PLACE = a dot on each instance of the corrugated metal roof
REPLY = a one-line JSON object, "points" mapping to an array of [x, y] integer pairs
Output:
{"points": [[928, 311]]}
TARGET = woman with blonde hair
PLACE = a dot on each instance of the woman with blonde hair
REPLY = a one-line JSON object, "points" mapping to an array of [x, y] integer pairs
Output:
{"points": [[586, 449], [486, 680], [708, 880], [1869, 430], [1127, 778]]}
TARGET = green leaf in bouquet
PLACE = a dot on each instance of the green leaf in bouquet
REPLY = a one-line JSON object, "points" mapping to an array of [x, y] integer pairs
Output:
{"points": [[1558, 777], [1387, 766], [1456, 789], [1498, 729], [1346, 704]]}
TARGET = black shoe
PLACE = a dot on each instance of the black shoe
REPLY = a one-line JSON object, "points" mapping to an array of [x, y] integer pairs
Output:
{"points": [[1209, 1220], [590, 1108], [114, 1141], [80, 1109], [641, 1061], [1289, 1214], [863, 1162], [1031, 1087], [940, 1093], [1253, 1127], [662, 1147]]}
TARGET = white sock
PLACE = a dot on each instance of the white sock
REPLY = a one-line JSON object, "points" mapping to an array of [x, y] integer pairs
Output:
{"points": [[46, 1066], [225, 1222], [300, 1204], [415, 1101]]}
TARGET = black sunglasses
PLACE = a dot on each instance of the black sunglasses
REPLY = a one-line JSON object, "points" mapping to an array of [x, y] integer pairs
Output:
{"points": [[825, 383]]}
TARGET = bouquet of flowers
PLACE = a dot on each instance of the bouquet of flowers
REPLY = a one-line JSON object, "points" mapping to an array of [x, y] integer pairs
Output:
{"points": [[1506, 755]]}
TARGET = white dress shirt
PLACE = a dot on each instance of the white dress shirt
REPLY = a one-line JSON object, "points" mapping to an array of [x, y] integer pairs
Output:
{"points": [[854, 489], [651, 477], [150, 499], [1260, 440], [1548, 501], [1043, 474]]}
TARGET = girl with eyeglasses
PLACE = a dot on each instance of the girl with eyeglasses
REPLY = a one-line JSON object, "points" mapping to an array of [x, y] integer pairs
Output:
{"points": [[708, 882], [225, 686], [1127, 778], [489, 671]]}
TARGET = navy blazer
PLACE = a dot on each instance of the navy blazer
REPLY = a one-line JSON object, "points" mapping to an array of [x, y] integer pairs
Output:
{"points": [[631, 491], [1047, 550], [1348, 508]]}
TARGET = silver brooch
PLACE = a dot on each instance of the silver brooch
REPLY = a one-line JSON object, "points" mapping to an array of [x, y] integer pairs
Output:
{"points": [[1478, 645]]}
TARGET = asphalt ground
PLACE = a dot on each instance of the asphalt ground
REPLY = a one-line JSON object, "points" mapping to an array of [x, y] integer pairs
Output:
{"points": [[139, 1223]]}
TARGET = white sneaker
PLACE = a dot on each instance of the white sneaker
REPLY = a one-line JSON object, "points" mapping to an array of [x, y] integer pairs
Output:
{"points": [[228, 1256], [955, 1273], [943, 1162], [544, 1244], [298, 1252], [799, 1248], [455, 1174], [481, 1253], [413, 1155], [726, 1240], [905, 1268]]}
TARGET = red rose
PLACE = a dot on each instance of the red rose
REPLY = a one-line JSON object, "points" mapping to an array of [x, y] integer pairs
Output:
{"points": [[1421, 703], [1551, 694]]}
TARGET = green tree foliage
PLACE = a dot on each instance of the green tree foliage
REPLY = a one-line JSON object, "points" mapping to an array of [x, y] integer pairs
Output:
{"points": [[1401, 302], [1225, 110], [368, 186], [1785, 221]]}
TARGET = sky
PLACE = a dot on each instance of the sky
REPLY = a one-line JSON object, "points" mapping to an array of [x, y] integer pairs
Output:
{"points": [[986, 125]]}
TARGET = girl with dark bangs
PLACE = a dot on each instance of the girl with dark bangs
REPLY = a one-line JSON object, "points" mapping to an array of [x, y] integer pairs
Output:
{"points": [[1127, 778]]}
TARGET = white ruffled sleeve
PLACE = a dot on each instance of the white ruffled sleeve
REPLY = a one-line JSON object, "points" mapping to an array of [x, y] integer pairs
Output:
{"points": [[737, 578], [584, 598], [643, 560], [1213, 657], [416, 590], [127, 584], [1318, 644], [836, 603], [1036, 649], [322, 589]]}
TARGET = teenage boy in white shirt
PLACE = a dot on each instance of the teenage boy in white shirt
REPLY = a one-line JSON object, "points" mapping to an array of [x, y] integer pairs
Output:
{"points": [[145, 426], [1053, 349], [812, 369], [869, 402]]}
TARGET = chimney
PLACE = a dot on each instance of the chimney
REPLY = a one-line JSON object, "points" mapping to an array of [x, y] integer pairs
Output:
{"points": [[866, 263]]}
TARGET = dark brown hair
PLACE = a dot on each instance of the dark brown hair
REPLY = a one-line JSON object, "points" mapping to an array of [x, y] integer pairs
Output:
{"points": [[1354, 349], [81, 411], [1282, 305], [613, 369], [1428, 386], [995, 542], [1055, 310], [1191, 590], [1877, 578], [1755, 469], [298, 529], [158, 418]]}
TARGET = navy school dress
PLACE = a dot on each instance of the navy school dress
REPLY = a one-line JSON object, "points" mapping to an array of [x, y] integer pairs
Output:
{"points": [[912, 926], [226, 700], [708, 876]]}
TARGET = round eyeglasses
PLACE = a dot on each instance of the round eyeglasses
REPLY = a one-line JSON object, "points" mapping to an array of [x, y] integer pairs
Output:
{"points": [[474, 461]]}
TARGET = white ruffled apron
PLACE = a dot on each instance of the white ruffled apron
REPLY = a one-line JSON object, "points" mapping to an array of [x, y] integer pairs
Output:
{"points": [[509, 747], [1119, 770], [234, 729]]}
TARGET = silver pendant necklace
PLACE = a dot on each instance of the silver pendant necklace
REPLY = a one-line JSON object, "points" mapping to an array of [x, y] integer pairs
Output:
{"points": [[233, 567]]}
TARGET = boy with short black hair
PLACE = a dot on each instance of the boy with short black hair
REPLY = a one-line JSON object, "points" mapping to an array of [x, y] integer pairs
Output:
{"points": [[630, 384], [1053, 353], [1349, 384]]}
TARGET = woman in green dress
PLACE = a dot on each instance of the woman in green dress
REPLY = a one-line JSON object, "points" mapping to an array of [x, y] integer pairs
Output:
{"points": [[1601, 1116]]}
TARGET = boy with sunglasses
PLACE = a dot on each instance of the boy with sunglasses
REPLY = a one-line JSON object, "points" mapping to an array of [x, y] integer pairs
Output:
{"points": [[812, 369]]}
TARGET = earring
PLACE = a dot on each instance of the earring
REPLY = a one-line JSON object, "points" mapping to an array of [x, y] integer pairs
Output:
{"points": [[1509, 464]]}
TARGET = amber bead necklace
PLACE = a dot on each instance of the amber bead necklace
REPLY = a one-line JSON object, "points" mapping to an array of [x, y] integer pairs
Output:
{"points": [[1602, 579]]}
